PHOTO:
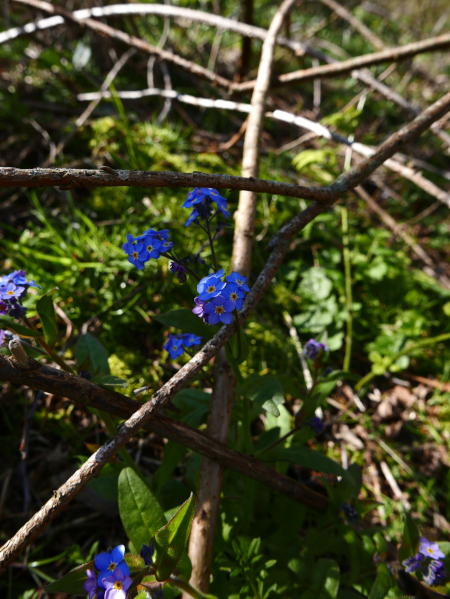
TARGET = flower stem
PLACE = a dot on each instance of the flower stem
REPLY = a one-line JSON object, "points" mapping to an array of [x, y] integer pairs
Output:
{"points": [[211, 243], [348, 290], [187, 588]]}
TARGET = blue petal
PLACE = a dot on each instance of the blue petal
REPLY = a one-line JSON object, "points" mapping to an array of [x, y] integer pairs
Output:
{"points": [[102, 561], [117, 553], [226, 318]]}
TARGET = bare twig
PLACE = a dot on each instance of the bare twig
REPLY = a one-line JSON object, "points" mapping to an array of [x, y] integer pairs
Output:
{"points": [[278, 247]]}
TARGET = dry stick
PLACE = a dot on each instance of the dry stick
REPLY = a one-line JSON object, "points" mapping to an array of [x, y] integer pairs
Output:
{"points": [[57, 382], [131, 40], [430, 268], [316, 128], [201, 543], [278, 246]]}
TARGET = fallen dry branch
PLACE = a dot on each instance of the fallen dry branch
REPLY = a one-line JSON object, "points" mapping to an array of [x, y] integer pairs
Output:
{"points": [[278, 246]]}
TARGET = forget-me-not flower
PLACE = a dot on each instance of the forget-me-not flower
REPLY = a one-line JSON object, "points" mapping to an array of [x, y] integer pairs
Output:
{"points": [[238, 280], [219, 310], [210, 286], [117, 585], [108, 563], [90, 585], [234, 293]]}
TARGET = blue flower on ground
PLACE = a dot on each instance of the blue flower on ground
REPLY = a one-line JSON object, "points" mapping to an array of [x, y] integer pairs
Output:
{"points": [[238, 280], [234, 293], [189, 340], [107, 563], [429, 549], [147, 552], [199, 307], [10, 290], [316, 425], [434, 573], [90, 585], [210, 286], [174, 346], [117, 585], [412, 563], [313, 348], [219, 310]]}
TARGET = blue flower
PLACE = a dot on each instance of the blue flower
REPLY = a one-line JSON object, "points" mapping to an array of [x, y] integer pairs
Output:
{"points": [[189, 340], [202, 198], [429, 549], [194, 216], [166, 245], [350, 513], [435, 573], [108, 563], [199, 307], [238, 280], [412, 563], [117, 585], [2, 336], [219, 310], [90, 585], [316, 425], [174, 346], [9, 291], [136, 253], [234, 293], [313, 348], [210, 286], [3, 308], [147, 552], [152, 247]]}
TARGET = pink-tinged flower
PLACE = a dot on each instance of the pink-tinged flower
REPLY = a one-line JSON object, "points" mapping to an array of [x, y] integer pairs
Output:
{"points": [[199, 307], [90, 585], [429, 549], [117, 585]]}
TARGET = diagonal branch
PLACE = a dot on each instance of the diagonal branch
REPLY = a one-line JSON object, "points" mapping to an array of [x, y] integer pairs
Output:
{"points": [[279, 246]]}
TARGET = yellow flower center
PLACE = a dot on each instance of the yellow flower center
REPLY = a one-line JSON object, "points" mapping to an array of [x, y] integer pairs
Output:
{"points": [[149, 248], [219, 310], [211, 289], [175, 347], [118, 585], [233, 296], [239, 282], [429, 550], [10, 292], [112, 566], [135, 255]]}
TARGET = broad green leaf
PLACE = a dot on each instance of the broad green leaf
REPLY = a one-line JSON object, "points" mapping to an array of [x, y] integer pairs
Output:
{"points": [[265, 391], [305, 457], [140, 512], [46, 311], [186, 321], [326, 578], [171, 540], [382, 584], [108, 380], [315, 284], [89, 347], [8, 323], [411, 539], [72, 582]]}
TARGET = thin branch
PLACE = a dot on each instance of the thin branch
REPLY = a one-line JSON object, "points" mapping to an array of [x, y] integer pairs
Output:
{"points": [[432, 44], [279, 246], [106, 30]]}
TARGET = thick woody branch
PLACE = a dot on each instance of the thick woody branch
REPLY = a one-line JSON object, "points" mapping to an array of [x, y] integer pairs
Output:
{"points": [[23, 370], [279, 246]]}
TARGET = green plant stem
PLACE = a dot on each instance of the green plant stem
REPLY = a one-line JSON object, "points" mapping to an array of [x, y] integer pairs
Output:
{"points": [[211, 243], [403, 352], [348, 290], [176, 259], [187, 588]]}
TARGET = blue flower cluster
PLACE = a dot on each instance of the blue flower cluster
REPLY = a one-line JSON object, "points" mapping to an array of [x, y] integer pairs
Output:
{"points": [[428, 563], [150, 245], [313, 348], [13, 289], [218, 298], [110, 579], [201, 200], [176, 344]]}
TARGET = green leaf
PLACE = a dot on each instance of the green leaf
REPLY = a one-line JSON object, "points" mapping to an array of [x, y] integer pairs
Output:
{"points": [[326, 578], [72, 582], [383, 582], [315, 284], [46, 311], [88, 347], [8, 323], [140, 512], [186, 321], [410, 541], [171, 540], [108, 380], [265, 391], [307, 458]]}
